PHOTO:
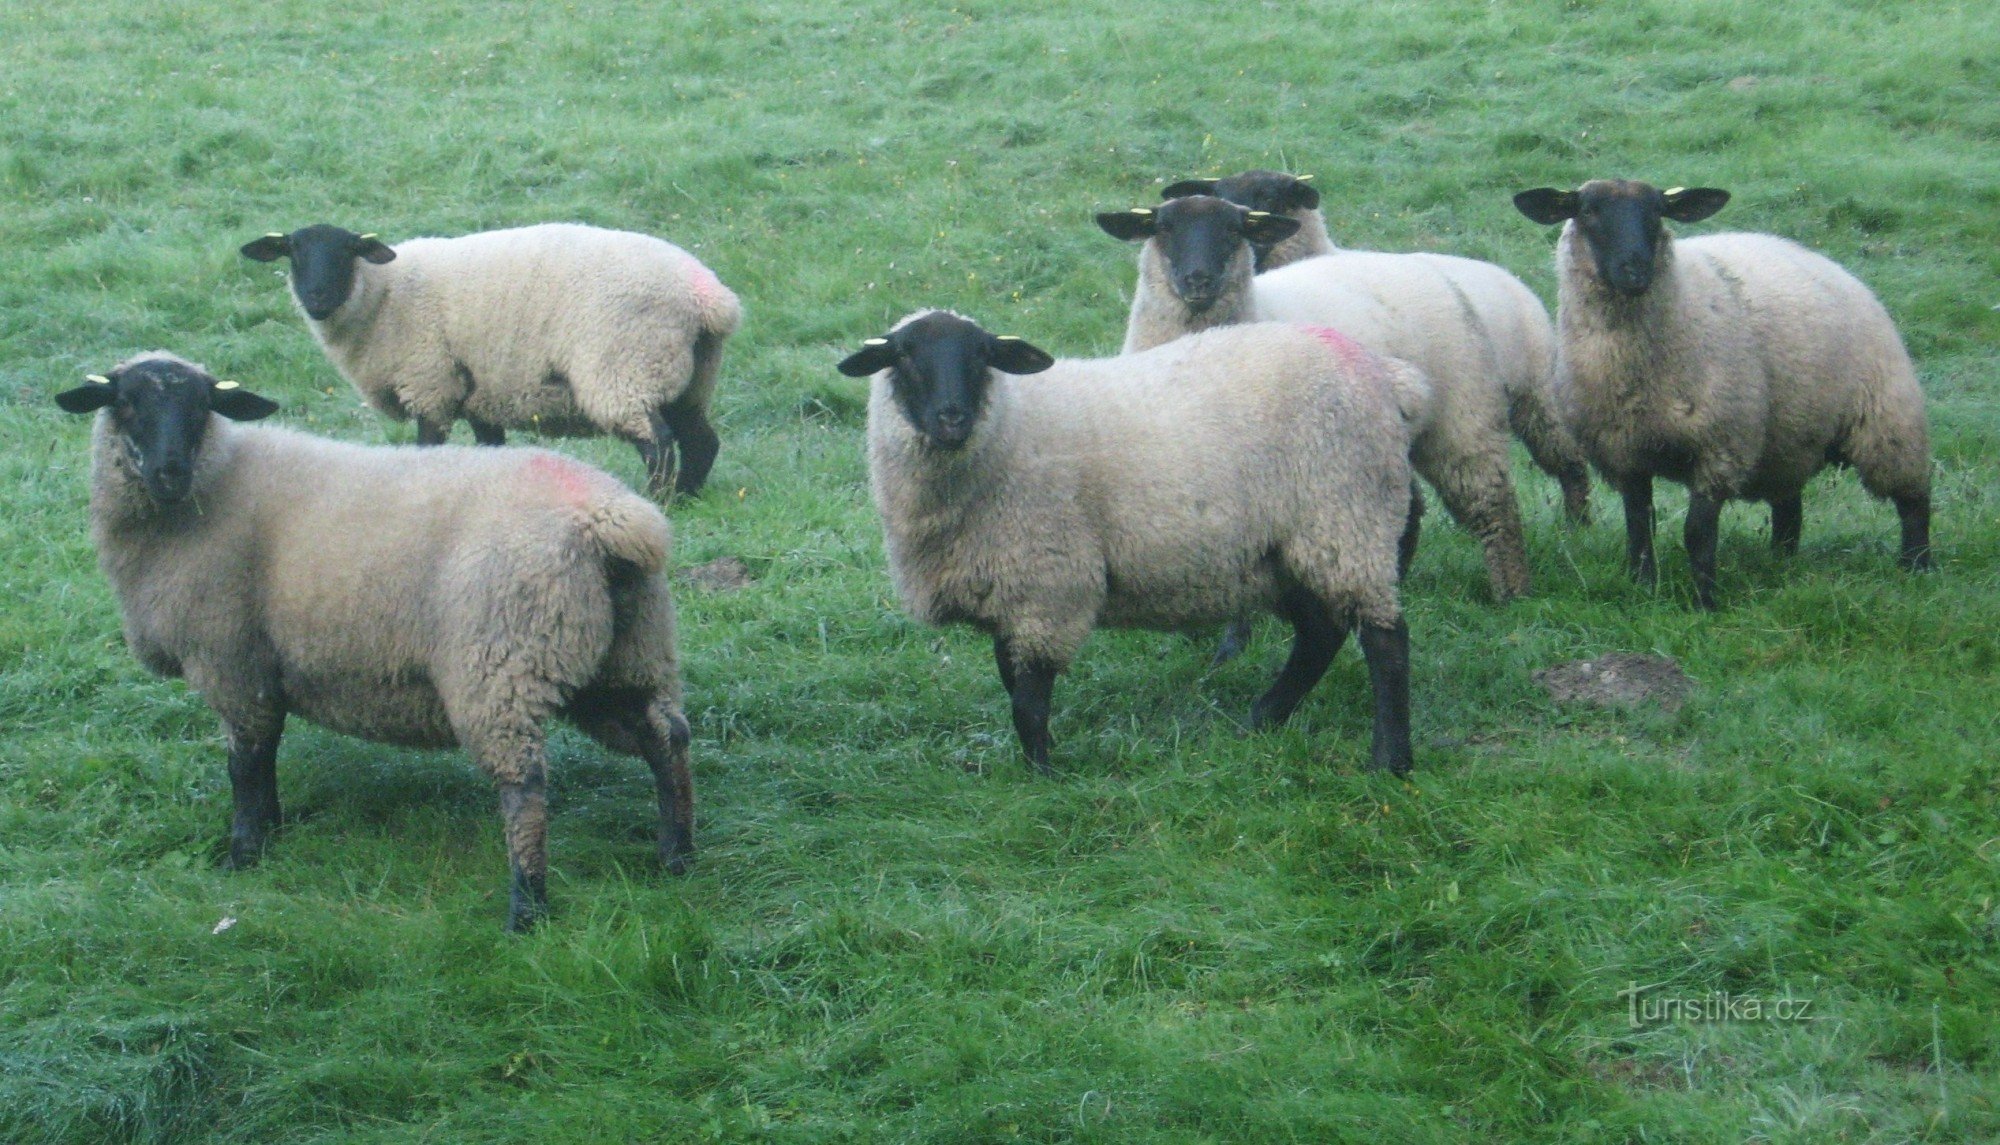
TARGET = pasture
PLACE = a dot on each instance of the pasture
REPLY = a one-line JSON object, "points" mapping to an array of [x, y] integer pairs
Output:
{"points": [[893, 932]]}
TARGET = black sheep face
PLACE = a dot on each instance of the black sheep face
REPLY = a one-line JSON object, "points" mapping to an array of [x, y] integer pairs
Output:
{"points": [[940, 369], [159, 408], [322, 263], [1620, 220], [1201, 237]]}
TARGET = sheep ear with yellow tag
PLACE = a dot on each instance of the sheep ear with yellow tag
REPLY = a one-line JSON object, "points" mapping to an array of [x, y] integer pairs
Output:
{"points": [[1137, 223], [234, 402], [95, 393], [1012, 354], [1693, 204]]}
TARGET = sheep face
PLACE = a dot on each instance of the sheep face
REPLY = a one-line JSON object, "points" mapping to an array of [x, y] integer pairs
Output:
{"points": [[159, 409], [1620, 221], [940, 367], [1202, 239], [322, 263]]}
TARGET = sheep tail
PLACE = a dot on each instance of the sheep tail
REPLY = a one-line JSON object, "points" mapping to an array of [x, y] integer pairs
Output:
{"points": [[628, 528], [1414, 395], [721, 313]]}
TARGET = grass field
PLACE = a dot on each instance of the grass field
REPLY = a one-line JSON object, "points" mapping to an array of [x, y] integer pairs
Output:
{"points": [[894, 932]]}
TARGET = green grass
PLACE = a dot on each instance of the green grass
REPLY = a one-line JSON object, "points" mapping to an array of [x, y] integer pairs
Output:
{"points": [[893, 932]]}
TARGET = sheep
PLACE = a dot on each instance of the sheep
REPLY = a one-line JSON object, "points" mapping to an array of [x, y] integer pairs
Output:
{"points": [[424, 597], [1464, 327], [1735, 364], [565, 329], [1260, 466], [1531, 405]]}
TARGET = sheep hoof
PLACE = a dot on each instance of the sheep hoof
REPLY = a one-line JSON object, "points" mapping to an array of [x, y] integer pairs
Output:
{"points": [[677, 853]]}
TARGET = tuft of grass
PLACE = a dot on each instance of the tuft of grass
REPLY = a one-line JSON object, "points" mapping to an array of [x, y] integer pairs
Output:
{"points": [[892, 931]]}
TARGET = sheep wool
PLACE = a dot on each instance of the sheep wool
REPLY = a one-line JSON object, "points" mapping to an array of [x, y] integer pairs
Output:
{"points": [[424, 597], [1257, 466]]}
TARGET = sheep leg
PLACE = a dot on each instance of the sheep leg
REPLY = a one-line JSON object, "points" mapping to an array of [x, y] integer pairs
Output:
{"points": [[1915, 513], [657, 451], [1703, 518], [664, 742], [431, 431], [486, 433], [253, 786], [525, 810], [1387, 649], [698, 442], [1317, 635], [1787, 522], [1031, 686], [1480, 496], [1637, 493], [1574, 478], [1235, 638], [1406, 548]]}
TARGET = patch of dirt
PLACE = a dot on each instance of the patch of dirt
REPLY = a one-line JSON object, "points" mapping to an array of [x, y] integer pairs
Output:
{"points": [[723, 574], [1621, 679]]}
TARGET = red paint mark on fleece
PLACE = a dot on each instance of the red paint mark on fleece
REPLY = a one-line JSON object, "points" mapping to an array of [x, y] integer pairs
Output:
{"points": [[1350, 352], [706, 288], [572, 482]]}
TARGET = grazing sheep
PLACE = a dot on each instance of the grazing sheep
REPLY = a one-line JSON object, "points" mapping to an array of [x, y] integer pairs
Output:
{"points": [[426, 597], [1736, 364], [1463, 327], [1261, 466], [1529, 382], [564, 329]]}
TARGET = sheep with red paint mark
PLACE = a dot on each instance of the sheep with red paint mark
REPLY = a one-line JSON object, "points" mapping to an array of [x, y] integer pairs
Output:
{"points": [[1529, 381], [559, 328], [1466, 329], [426, 597], [1258, 467]]}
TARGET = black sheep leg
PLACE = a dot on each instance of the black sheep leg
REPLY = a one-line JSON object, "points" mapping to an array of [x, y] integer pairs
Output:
{"points": [[1387, 649], [698, 442], [657, 452], [1703, 521], [1031, 686], [1317, 635], [1637, 493], [1915, 512], [486, 433], [1787, 523], [253, 786]]}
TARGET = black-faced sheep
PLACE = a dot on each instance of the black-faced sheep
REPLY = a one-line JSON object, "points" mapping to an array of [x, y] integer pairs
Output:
{"points": [[426, 597], [1261, 466], [1469, 326], [1736, 364], [564, 329]]}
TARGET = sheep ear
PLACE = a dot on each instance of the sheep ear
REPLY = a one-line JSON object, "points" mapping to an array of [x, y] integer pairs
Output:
{"points": [[270, 248], [1304, 196], [94, 394], [1011, 355], [1186, 187], [875, 354], [1265, 229], [238, 404], [371, 249], [1693, 204], [1137, 223], [1547, 205]]}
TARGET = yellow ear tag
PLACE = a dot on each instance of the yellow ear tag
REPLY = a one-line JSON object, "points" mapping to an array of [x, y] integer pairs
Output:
{"points": [[1258, 215], [227, 386], [876, 342], [274, 234], [1141, 211], [100, 379], [1006, 337], [368, 238], [1303, 178], [1672, 191]]}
